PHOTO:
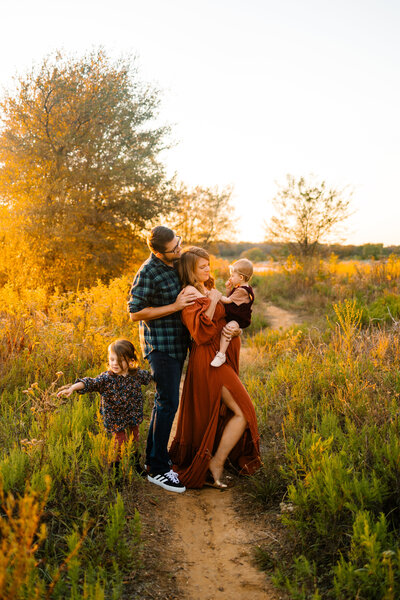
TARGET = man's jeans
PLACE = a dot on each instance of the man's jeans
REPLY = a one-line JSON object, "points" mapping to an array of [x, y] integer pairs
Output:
{"points": [[167, 375]]}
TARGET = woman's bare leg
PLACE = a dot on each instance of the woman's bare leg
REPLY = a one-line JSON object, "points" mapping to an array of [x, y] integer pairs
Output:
{"points": [[232, 433]]}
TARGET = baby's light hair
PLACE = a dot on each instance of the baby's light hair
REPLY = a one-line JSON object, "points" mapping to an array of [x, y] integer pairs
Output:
{"points": [[244, 267]]}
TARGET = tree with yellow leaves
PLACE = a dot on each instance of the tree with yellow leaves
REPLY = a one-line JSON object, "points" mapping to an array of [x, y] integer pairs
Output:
{"points": [[80, 174]]}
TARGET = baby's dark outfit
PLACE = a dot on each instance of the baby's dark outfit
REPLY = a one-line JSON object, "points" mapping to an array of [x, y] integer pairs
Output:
{"points": [[240, 309]]}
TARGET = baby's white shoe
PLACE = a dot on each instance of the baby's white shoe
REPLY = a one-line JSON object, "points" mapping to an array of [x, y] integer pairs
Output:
{"points": [[218, 360]]}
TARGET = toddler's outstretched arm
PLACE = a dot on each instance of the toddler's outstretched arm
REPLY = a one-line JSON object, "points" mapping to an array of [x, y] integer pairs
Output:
{"points": [[67, 390], [226, 300]]}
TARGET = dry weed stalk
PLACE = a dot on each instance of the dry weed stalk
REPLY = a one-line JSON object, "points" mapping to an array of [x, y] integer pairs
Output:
{"points": [[45, 401]]}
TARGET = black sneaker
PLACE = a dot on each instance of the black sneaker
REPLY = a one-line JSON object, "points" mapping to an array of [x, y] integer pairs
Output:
{"points": [[169, 481]]}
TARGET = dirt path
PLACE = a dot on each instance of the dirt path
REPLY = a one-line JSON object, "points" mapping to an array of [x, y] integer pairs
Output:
{"points": [[214, 548], [214, 545], [279, 318]]}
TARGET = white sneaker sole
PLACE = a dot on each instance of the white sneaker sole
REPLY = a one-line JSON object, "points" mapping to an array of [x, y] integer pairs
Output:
{"points": [[164, 484]]}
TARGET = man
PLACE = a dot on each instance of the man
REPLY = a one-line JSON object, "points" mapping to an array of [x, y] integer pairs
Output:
{"points": [[156, 302]]}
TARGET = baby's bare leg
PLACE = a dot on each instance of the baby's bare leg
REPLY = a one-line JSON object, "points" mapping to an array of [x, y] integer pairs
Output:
{"points": [[224, 342], [220, 357]]}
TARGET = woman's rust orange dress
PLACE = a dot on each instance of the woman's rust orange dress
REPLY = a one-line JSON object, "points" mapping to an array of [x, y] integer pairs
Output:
{"points": [[202, 415]]}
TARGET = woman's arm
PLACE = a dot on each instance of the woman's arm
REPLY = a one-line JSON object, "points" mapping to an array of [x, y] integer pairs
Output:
{"points": [[199, 323], [214, 296]]}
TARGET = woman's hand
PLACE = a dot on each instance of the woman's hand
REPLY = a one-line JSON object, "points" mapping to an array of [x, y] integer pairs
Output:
{"points": [[231, 330], [214, 295]]}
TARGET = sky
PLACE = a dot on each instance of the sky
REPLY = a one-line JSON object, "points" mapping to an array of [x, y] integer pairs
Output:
{"points": [[253, 90]]}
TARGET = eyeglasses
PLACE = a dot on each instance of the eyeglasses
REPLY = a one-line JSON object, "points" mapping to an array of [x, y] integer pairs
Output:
{"points": [[175, 248]]}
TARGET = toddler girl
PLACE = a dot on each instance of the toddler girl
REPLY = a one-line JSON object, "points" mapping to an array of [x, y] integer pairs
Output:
{"points": [[238, 303], [121, 393]]}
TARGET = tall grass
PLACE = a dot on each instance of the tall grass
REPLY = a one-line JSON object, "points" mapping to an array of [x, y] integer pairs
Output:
{"points": [[327, 402], [328, 407], [66, 532], [314, 287]]}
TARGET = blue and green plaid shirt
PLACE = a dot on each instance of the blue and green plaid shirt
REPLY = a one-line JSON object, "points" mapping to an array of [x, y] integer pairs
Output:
{"points": [[156, 284]]}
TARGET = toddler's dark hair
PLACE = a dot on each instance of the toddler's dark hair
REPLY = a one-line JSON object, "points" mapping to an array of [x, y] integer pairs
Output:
{"points": [[158, 237], [125, 351]]}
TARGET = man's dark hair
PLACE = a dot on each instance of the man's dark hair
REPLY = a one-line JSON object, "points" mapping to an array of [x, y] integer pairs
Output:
{"points": [[158, 237]]}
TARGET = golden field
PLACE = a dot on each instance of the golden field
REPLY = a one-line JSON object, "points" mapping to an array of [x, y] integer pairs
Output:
{"points": [[327, 399]]}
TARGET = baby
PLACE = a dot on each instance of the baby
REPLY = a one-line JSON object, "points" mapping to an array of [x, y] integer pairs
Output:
{"points": [[238, 302]]}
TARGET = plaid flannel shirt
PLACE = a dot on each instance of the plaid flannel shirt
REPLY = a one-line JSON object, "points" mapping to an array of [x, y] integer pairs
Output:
{"points": [[156, 284]]}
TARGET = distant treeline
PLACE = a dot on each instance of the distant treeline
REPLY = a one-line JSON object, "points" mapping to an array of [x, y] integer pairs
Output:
{"points": [[266, 251]]}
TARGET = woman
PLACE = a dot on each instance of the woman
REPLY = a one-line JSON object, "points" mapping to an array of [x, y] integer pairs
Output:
{"points": [[216, 416]]}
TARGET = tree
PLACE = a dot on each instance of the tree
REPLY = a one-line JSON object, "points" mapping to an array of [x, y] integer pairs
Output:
{"points": [[308, 214], [79, 168], [255, 254], [203, 215], [371, 251]]}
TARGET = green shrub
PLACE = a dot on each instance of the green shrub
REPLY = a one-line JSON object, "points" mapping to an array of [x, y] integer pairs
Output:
{"points": [[372, 565], [384, 308]]}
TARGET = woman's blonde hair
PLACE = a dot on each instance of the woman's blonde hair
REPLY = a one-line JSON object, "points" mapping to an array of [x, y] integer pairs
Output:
{"points": [[187, 265]]}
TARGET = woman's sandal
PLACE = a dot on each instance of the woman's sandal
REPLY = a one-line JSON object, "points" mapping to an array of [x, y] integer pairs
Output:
{"points": [[215, 483]]}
